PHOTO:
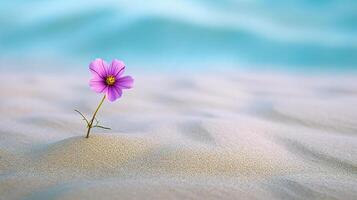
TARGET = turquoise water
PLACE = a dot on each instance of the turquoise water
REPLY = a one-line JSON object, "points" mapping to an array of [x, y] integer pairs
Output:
{"points": [[287, 34]]}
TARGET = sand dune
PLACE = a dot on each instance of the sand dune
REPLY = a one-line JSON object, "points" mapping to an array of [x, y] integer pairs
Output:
{"points": [[203, 136]]}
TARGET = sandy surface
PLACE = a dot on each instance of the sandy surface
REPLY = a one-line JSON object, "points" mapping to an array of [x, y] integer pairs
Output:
{"points": [[202, 136]]}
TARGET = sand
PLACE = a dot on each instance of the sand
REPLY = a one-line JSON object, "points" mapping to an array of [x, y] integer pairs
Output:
{"points": [[238, 135]]}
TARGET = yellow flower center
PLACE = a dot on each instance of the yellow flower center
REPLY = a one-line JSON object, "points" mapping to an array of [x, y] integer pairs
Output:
{"points": [[110, 80]]}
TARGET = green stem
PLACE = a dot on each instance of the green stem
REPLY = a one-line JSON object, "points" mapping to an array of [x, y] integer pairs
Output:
{"points": [[95, 113]]}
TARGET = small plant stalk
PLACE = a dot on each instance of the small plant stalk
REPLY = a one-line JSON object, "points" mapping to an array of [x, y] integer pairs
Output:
{"points": [[90, 124]]}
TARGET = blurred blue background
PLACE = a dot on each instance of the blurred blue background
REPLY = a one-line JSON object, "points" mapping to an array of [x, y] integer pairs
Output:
{"points": [[183, 34]]}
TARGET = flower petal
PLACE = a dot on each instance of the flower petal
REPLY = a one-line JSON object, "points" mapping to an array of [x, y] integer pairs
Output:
{"points": [[117, 68], [113, 93], [97, 85], [125, 82], [98, 68]]}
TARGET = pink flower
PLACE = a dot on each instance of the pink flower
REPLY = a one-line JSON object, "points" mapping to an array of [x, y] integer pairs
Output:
{"points": [[108, 78]]}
